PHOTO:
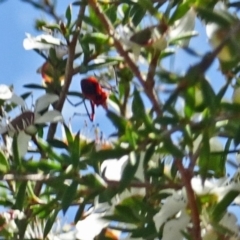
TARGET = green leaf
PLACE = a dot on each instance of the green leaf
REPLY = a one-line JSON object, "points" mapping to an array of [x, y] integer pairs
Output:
{"points": [[68, 15], [69, 196], [237, 136], [50, 222], [131, 137], [25, 95], [148, 155], [118, 121], [166, 53], [21, 194], [95, 38], [75, 150], [220, 209], [47, 149], [68, 134], [147, 231], [129, 171], [222, 92], [105, 154], [126, 214], [209, 96], [183, 36], [204, 156], [79, 3], [4, 165], [106, 63], [16, 157], [34, 86], [94, 182], [57, 143], [111, 13], [79, 212], [165, 120], [137, 13], [190, 99], [148, 5], [48, 165], [43, 211], [138, 107], [93, 20], [172, 148], [180, 11], [223, 19]]}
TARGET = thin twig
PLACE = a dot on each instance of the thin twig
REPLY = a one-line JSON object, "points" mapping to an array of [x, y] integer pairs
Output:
{"points": [[69, 70], [186, 177], [38, 177], [110, 30]]}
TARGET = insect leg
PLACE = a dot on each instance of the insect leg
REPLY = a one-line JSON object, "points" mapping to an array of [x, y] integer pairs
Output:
{"points": [[91, 116]]}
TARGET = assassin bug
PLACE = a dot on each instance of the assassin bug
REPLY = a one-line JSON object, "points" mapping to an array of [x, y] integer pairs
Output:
{"points": [[93, 91]]}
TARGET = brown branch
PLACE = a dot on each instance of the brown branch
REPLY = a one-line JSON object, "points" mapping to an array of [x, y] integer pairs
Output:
{"points": [[110, 30], [69, 70], [152, 69], [38, 177], [186, 178]]}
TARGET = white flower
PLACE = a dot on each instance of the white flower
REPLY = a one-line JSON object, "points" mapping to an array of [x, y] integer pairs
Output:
{"points": [[216, 33], [112, 169], [153, 37], [201, 188], [219, 187], [90, 226], [47, 41], [229, 221], [124, 34], [173, 204], [5, 92], [9, 218], [172, 229], [41, 42], [24, 124], [182, 27]]}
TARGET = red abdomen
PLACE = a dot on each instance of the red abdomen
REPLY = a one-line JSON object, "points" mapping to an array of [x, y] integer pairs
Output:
{"points": [[93, 91]]}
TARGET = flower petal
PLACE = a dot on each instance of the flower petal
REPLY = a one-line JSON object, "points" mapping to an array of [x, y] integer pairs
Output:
{"points": [[90, 227], [113, 168], [172, 206], [182, 26], [42, 42], [5, 92], [50, 116], [44, 101]]}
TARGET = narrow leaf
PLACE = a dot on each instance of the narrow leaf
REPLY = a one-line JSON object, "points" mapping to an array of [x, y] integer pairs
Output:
{"points": [[4, 165], [222, 206], [50, 222], [21, 193], [69, 196], [68, 15]]}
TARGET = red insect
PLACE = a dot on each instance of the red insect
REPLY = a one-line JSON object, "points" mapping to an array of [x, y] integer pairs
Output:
{"points": [[94, 92]]}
